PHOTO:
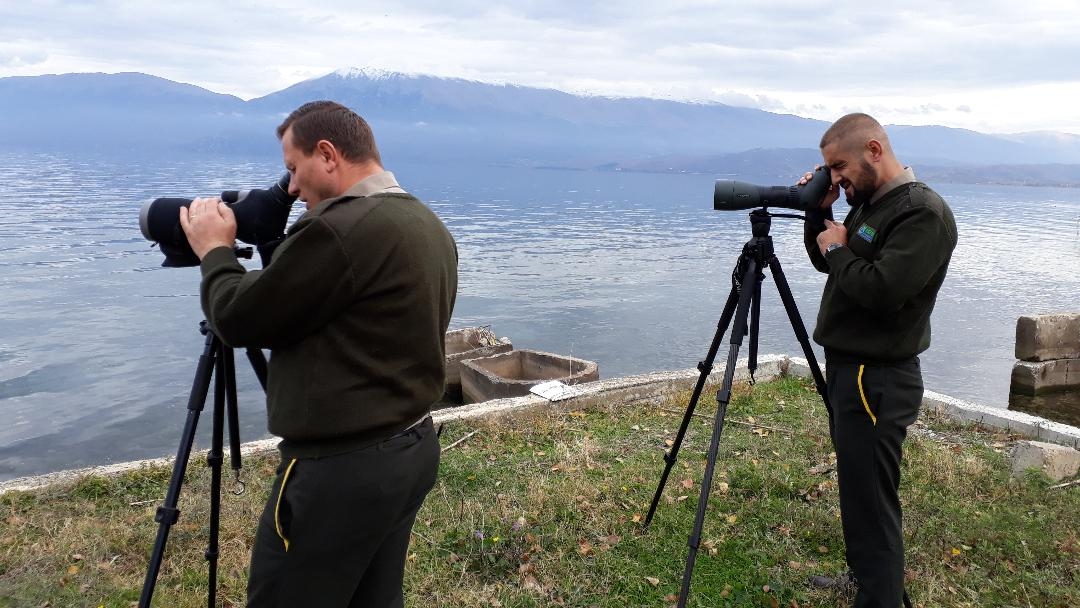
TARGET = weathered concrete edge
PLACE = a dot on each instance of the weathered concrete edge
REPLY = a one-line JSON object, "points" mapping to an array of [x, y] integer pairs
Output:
{"points": [[631, 389], [628, 389]]}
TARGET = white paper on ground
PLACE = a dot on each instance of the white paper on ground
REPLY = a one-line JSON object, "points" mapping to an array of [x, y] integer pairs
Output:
{"points": [[554, 390]]}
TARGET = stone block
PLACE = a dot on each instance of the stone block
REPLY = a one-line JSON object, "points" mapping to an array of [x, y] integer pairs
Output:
{"points": [[1040, 377], [468, 343], [1046, 337], [1057, 461], [513, 373]]}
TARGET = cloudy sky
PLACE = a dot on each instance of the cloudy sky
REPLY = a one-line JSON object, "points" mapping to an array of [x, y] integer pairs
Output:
{"points": [[989, 65]]}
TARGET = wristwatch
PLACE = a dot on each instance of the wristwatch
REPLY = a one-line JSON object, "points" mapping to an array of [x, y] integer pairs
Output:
{"points": [[833, 247]]}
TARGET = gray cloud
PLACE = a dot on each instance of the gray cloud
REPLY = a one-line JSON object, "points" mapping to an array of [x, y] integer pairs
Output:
{"points": [[773, 54]]}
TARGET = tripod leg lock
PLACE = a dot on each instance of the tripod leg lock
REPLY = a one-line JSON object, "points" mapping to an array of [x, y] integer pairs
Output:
{"points": [[167, 515], [214, 461], [701, 367], [669, 458], [694, 541]]}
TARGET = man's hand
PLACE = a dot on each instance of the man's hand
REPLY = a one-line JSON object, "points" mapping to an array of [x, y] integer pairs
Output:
{"points": [[834, 232], [831, 195], [208, 224]]}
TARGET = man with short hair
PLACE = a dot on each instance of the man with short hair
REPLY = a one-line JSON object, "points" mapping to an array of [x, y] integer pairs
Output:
{"points": [[354, 306], [885, 263]]}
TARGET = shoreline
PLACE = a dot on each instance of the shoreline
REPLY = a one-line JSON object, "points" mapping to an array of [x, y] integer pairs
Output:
{"points": [[630, 389]]}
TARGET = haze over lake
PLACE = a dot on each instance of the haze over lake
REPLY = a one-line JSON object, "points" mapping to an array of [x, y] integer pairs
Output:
{"points": [[98, 343]]}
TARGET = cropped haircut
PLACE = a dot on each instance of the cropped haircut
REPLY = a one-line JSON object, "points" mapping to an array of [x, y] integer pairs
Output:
{"points": [[854, 130], [329, 120]]}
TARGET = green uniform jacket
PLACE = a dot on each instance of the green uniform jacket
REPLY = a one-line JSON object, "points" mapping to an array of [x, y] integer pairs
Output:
{"points": [[354, 308], [881, 289]]}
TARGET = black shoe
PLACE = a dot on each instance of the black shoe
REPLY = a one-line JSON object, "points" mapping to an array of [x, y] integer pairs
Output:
{"points": [[842, 583]]}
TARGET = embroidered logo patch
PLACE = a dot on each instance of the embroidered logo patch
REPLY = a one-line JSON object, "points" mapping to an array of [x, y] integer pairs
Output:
{"points": [[867, 233]]}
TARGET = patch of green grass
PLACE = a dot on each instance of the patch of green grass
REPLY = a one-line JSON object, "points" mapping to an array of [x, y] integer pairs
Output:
{"points": [[546, 508]]}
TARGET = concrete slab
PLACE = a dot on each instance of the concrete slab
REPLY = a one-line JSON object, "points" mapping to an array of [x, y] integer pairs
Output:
{"points": [[1041, 377], [1046, 337], [469, 343], [513, 373], [1056, 461]]}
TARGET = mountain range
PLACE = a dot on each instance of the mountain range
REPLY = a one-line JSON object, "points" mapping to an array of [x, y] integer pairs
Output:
{"points": [[426, 118]]}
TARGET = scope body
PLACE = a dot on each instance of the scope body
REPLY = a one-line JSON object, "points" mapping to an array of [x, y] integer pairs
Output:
{"points": [[261, 216], [732, 195]]}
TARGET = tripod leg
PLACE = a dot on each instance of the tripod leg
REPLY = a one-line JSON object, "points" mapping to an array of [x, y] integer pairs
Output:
{"points": [[705, 367], [800, 333], [258, 364], [755, 323], [168, 514], [723, 396], [214, 460], [233, 416]]}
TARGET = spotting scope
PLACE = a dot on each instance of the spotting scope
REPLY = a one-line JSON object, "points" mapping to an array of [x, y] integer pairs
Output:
{"points": [[731, 195]]}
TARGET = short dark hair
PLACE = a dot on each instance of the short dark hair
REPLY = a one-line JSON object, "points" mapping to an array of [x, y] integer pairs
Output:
{"points": [[329, 120], [854, 130]]}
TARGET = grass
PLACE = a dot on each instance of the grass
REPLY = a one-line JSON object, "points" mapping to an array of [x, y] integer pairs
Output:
{"points": [[545, 509]]}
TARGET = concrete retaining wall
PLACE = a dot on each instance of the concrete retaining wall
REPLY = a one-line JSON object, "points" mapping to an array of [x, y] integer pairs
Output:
{"points": [[648, 387]]}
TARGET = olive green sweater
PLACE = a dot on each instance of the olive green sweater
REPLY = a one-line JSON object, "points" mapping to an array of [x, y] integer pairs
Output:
{"points": [[354, 308], [882, 286]]}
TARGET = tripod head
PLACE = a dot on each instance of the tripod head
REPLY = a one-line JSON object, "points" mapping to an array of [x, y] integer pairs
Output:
{"points": [[761, 220]]}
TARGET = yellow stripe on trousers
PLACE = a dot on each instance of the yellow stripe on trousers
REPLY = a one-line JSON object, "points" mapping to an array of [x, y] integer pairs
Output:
{"points": [[277, 505], [862, 395]]}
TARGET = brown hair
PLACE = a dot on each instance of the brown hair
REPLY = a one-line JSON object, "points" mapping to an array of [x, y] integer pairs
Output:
{"points": [[854, 130], [329, 120]]}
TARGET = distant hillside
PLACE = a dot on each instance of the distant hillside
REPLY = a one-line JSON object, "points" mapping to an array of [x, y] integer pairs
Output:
{"points": [[453, 120]]}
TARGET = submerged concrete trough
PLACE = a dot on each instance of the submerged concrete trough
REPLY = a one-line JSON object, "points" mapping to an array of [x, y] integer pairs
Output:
{"points": [[513, 373], [469, 343]]}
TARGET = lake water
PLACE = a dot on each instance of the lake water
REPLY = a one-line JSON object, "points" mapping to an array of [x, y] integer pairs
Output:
{"points": [[98, 343]]}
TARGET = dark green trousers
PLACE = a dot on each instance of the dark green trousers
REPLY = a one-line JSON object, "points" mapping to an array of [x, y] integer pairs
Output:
{"points": [[335, 530], [872, 406]]}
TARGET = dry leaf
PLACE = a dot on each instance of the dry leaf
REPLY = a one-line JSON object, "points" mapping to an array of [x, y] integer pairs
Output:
{"points": [[532, 584], [688, 483], [652, 580]]}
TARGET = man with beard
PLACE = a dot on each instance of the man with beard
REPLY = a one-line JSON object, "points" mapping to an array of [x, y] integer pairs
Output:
{"points": [[885, 263]]}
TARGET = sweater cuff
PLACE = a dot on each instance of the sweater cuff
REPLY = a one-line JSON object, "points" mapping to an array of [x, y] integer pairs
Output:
{"points": [[840, 253], [217, 257]]}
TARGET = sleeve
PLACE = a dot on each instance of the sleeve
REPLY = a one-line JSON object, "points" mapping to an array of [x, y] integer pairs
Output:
{"points": [[813, 226], [307, 282], [917, 245]]}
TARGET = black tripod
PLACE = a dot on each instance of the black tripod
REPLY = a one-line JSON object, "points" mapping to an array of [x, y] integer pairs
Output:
{"points": [[217, 362], [743, 301]]}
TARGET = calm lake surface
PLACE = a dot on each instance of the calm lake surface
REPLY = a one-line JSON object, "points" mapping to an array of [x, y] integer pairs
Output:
{"points": [[99, 344]]}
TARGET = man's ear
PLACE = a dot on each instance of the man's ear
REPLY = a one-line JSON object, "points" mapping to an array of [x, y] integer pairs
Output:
{"points": [[875, 149], [326, 151]]}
